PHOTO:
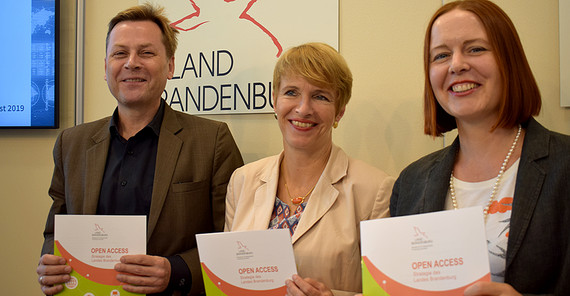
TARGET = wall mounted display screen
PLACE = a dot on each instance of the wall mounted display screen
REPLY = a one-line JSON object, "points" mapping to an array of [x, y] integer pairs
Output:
{"points": [[28, 78]]}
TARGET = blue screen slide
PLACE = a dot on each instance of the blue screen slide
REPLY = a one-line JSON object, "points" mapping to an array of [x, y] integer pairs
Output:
{"points": [[27, 76]]}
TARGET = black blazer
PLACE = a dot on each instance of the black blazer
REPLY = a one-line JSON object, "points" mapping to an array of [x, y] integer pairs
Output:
{"points": [[538, 250]]}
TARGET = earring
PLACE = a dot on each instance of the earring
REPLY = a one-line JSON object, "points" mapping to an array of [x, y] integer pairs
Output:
{"points": [[275, 115], [335, 124]]}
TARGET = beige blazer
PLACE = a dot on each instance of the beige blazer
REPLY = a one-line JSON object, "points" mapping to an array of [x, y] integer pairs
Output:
{"points": [[194, 161], [327, 240]]}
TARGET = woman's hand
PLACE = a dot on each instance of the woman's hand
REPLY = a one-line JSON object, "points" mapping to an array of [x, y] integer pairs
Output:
{"points": [[490, 289], [306, 286]]}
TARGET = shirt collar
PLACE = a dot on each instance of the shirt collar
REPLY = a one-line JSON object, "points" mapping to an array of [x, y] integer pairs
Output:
{"points": [[154, 125]]}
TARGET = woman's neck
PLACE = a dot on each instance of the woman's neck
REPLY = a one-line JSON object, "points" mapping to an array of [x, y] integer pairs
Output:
{"points": [[482, 151], [303, 168]]}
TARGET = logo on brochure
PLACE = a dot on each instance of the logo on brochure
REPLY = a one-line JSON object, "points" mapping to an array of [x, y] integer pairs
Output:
{"points": [[420, 240], [243, 252], [72, 283], [115, 293], [99, 233]]}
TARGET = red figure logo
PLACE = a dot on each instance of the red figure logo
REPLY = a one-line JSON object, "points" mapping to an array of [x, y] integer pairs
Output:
{"points": [[418, 232], [241, 246], [196, 19], [98, 228]]}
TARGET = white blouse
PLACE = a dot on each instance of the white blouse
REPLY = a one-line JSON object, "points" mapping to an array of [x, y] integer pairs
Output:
{"points": [[497, 226]]}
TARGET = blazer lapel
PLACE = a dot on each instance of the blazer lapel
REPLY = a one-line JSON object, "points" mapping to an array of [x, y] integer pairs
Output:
{"points": [[94, 169], [530, 178], [324, 195], [437, 182], [169, 146], [263, 204]]}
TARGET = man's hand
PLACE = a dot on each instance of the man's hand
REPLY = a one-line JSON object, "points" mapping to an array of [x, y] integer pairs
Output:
{"points": [[52, 273], [490, 289], [143, 274]]}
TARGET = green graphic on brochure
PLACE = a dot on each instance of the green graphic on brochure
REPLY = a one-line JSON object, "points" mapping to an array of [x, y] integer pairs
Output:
{"points": [[210, 286], [81, 286], [216, 286], [369, 284]]}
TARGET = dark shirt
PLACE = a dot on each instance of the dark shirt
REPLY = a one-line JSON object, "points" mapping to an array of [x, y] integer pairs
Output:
{"points": [[128, 181], [129, 172]]}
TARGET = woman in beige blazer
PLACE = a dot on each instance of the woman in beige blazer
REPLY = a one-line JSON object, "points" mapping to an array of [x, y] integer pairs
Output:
{"points": [[312, 187]]}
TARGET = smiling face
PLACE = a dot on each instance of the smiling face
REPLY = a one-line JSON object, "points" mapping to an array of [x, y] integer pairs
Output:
{"points": [[305, 113], [136, 65], [463, 71]]}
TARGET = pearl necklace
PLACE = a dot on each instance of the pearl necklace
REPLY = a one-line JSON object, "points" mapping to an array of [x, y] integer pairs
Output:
{"points": [[497, 180]]}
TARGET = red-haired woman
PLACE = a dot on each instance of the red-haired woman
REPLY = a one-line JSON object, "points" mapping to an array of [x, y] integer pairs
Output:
{"points": [[478, 81]]}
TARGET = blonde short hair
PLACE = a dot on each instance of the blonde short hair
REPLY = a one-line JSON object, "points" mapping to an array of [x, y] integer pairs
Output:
{"points": [[321, 65]]}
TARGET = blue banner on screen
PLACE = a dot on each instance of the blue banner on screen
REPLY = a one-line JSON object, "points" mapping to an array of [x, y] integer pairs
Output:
{"points": [[28, 92]]}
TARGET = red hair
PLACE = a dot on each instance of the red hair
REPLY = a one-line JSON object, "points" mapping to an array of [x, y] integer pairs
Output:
{"points": [[520, 94]]}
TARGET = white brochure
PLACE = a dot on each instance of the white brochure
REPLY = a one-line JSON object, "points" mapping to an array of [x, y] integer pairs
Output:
{"points": [[252, 263], [92, 245], [438, 253]]}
